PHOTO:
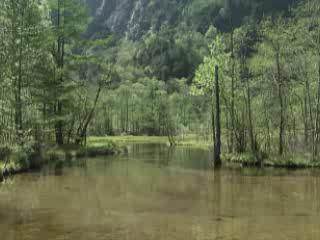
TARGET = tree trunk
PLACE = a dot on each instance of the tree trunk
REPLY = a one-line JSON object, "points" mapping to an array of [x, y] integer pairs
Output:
{"points": [[282, 107], [304, 110], [169, 131], [18, 100], [60, 63], [213, 125], [317, 123], [217, 143], [18, 81], [59, 124], [232, 93], [82, 131], [127, 114], [251, 131], [310, 123]]}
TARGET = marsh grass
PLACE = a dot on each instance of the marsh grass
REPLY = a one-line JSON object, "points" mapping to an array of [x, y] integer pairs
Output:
{"points": [[16, 159], [188, 140], [293, 161]]}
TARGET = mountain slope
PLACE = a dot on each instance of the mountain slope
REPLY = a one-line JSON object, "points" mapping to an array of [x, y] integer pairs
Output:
{"points": [[136, 17]]}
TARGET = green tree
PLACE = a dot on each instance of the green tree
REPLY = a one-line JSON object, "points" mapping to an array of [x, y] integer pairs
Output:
{"points": [[308, 22], [274, 53], [69, 20], [207, 81]]}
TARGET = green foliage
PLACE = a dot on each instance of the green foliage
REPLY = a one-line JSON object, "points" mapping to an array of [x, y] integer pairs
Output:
{"points": [[54, 82], [204, 78], [171, 53]]}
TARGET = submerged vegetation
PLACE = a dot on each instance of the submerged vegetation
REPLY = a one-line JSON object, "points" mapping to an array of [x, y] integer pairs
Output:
{"points": [[242, 76]]}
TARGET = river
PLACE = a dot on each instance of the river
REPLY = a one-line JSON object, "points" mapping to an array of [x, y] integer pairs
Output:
{"points": [[159, 193]]}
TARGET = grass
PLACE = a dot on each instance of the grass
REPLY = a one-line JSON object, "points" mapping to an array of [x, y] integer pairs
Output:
{"points": [[20, 161], [245, 159], [97, 146], [193, 140], [12, 167], [296, 161], [293, 161], [93, 148], [126, 139], [188, 140]]}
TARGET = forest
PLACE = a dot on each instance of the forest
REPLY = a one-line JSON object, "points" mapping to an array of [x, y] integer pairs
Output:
{"points": [[243, 76], [159, 119]]}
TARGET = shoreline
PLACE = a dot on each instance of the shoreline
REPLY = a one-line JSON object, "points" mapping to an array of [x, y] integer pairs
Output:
{"points": [[108, 146], [289, 161], [55, 155]]}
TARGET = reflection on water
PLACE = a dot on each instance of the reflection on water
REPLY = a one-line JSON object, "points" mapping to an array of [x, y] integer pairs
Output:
{"points": [[160, 193]]}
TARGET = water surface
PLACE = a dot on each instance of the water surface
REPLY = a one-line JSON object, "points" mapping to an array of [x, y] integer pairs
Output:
{"points": [[159, 193]]}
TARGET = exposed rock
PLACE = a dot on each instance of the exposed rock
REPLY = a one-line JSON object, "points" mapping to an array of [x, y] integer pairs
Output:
{"points": [[134, 18]]}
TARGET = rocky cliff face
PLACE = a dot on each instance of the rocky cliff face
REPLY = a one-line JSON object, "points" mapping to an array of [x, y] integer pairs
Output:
{"points": [[133, 17], [136, 17]]}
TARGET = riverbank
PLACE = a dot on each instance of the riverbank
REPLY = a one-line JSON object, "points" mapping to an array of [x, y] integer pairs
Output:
{"points": [[187, 141], [21, 161], [17, 160], [290, 161], [298, 161]]}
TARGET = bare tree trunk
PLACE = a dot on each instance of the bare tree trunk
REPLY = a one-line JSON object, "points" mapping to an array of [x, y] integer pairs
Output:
{"points": [[60, 63], [304, 109], [82, 131], [217, 144], [59, 124], [232, 93], [268, 132], [127, 114], [251, 131], [282, 107], [310, 123], [213, 125], [18, 24], [18, 93]]}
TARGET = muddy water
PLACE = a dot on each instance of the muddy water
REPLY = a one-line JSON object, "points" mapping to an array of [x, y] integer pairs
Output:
{"points": [[159, 193]]}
